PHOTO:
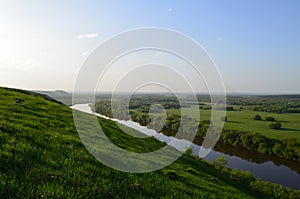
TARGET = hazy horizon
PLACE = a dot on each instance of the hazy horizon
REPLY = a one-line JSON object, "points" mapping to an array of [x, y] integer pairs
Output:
{"points": [[160, 92], [255, 45]]}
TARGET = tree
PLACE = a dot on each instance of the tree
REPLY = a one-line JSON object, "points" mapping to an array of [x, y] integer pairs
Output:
{"points": [[262, 148], [229, 108], [257, 117], [275, 125], [272, 119], [277, 148], [221, 161]]}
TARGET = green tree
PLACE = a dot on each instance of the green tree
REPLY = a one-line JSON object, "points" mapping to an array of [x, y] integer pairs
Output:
{"points": [[276, 125], [277, 148], [271, 119], [257, 117], [262, 148], [220, 161]]}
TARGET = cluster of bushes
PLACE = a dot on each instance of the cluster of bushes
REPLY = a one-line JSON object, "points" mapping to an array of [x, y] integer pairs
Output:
{"points": [[271, 104], [257, 117], [256, 186], [227, 108], [251, 101], [273, 125], [276, 109], [286, 148], [276, 125], [268, 118], [205, 107], [271, 119]]}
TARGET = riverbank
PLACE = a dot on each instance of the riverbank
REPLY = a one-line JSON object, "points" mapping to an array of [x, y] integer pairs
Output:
{"points": [[275, 170]]}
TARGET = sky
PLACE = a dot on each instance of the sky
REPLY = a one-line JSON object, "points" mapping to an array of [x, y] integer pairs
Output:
{"points": [[255, 44]]}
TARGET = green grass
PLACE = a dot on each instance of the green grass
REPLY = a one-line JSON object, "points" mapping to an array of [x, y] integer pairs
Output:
{"points": [[41, 156], [243, 121]]}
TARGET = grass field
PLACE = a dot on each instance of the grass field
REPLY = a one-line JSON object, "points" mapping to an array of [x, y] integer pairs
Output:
{"points": [[243, 121], [41, 156]]}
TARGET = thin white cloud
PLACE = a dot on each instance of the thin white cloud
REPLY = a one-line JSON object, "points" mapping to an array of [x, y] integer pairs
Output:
{"points": [[170, 9], [88, 36]]}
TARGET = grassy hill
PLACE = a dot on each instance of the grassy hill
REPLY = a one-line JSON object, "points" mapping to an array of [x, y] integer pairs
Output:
{"points": [[60, 95], [41, 156]]}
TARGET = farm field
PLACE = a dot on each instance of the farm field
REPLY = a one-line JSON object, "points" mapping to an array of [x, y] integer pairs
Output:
{"points": [[243, 121]]}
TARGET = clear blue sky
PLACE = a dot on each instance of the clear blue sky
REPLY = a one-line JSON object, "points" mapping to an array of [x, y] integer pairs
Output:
{"points": [[255, 44]]}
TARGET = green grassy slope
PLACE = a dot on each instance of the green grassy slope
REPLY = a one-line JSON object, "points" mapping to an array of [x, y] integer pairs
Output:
{"points": [[41, 156]]}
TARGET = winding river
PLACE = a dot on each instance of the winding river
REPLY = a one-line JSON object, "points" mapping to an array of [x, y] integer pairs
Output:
{"points": [[268, 168]]}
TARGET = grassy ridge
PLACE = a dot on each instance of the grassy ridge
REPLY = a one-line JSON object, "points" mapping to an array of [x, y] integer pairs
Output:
{"points": [[42, 156]]}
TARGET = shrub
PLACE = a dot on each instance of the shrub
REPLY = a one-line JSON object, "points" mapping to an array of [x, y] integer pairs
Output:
{"points": [[244, 176], [271, 119], [188, 151], [257, 117], [171, 174], [275, 125], [220, 161], [229, 108]]}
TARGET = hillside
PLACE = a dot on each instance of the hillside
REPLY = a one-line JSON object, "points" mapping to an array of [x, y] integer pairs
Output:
{"points": [[41, 156], [60, 95]]}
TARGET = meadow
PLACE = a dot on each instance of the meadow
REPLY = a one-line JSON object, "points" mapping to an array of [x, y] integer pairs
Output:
{"points": [[243, 120]]}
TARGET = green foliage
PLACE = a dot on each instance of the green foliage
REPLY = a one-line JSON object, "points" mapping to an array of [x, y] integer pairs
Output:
{"points": [[220, 161], [246, 176], [276, 125], [262, 148], [229, 108], [257, 117], [271, 119], [188, 151], [286, 148], [273, 190], [272, 104], [259, 188]]}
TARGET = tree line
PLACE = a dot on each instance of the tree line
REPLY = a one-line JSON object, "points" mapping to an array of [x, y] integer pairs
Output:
{"points": [[257, 187]]}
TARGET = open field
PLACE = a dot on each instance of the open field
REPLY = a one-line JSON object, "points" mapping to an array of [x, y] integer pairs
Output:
{"points": [[241, 118], [243, 121]]}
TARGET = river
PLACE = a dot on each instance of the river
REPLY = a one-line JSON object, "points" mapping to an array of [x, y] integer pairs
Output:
{"points": [[268, 168]]}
